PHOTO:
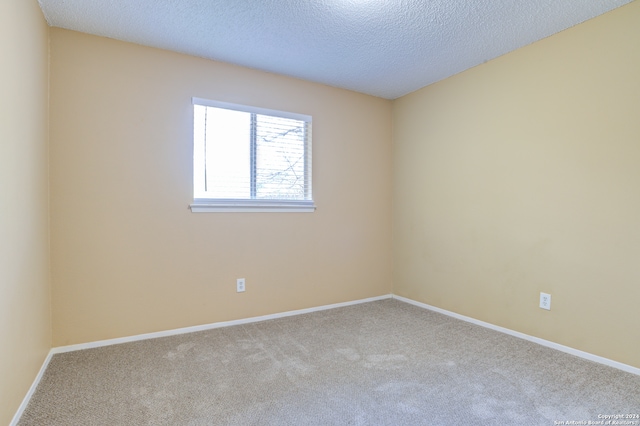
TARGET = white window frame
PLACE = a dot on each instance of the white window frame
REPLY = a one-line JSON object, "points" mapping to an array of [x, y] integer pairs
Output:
{"points": [[206, 205]]}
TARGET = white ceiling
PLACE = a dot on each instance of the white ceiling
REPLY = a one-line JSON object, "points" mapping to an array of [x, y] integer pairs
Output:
{"points": [[385, 48]]}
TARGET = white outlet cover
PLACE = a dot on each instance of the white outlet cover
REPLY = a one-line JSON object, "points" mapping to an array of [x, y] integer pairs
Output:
{"points": [[545, 301]]}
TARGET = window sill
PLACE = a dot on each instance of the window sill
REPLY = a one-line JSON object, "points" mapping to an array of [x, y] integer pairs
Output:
{"points": [[251, 206]]}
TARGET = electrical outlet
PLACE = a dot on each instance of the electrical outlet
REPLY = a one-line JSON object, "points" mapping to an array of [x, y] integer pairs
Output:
{"points": [[545, 301], [240, 285]]}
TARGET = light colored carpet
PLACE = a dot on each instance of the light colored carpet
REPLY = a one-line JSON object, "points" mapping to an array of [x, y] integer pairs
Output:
{"points": [[379, 363]]}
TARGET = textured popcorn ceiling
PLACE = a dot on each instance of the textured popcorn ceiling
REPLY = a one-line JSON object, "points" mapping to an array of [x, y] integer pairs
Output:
{"points": [[386, 48]]}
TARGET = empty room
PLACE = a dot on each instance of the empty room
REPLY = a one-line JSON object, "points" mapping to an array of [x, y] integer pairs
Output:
{"points": [[357, 212]]}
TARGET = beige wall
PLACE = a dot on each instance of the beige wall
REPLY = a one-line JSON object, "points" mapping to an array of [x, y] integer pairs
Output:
{"points": [[25, 316], [522, 175], [128, 256]]}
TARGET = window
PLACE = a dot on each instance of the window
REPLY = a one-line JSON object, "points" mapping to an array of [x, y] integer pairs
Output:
{"points": [[250, 159]]}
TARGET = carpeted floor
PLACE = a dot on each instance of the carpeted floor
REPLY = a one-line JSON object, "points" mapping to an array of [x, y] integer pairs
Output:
{"points": [[378, 363]]}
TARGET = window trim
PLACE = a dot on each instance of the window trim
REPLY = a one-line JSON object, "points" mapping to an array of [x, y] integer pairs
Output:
{"points": [[251, 109], [210, 205], [202, 205]]}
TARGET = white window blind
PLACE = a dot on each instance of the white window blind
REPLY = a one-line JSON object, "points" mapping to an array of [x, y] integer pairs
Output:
{"points": [[250, 159]]}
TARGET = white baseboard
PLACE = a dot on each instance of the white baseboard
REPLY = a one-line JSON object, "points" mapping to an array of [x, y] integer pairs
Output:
{"points": [[32, 389], [99, 343], [543, 342]]}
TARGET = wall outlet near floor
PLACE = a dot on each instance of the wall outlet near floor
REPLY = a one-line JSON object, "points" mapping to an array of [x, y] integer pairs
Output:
{"points": [[545, 301], [240, 285]]}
